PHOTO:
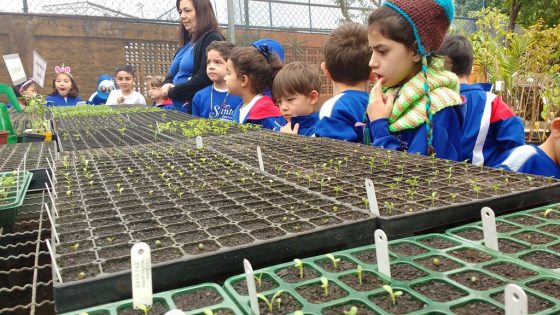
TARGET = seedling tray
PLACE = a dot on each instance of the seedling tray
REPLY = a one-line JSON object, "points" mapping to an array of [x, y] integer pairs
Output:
{"points": [[200, 211], [406, 261], [12, 195], [414, 193], [527, 235], [168, 300]]}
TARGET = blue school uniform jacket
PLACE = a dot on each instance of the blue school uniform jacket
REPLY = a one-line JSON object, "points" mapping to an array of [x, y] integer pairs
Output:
{"points": [[490, 127], [57, 100], [528, 159], [307, 124], [446, 131], [223, 104], [264, 112], [339, 115]]}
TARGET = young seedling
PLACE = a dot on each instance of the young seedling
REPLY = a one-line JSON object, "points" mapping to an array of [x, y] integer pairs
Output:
{"points": [[208, 312], [258, 279], [436, 262], [110, 240], [392, 294], [325, 285], [334, 260], [270, 303], [359, 270], [453, 196], [352, 311], [433, 198], [390, 206], [75, 246], [365, 201], [81, 275], [145, 308], [158, 243], [547, 212], [299, 265], [334, 209], [200, 246]]}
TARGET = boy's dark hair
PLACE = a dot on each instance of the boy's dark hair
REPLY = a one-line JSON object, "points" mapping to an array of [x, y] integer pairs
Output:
{"points": [[296, 78], [223, 47], [126, 68], [252, 62], [347, 54], [459, 54], [74, 92]]}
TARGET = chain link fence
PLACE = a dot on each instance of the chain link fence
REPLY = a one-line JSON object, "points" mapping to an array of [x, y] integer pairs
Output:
{"points": [[313, 16]]}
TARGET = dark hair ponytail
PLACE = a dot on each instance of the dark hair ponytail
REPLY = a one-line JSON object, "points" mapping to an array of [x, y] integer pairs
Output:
{"points": [[261, 65]]}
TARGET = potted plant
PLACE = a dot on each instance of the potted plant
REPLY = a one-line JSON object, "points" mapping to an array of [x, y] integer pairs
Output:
{"points": [[40, 128]]}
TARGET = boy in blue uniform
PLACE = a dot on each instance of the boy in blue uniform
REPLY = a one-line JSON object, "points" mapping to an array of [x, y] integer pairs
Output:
{"points": [[296, 89], [541, 160], [215, 101], [346, 64], [489, 125]]}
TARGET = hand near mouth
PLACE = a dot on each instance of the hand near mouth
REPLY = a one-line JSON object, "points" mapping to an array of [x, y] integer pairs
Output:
{"points": [[380, 105], [287, 128]]}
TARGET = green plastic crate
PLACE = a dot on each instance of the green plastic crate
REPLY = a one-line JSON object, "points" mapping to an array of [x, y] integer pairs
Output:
{"points": [[13, 187]]}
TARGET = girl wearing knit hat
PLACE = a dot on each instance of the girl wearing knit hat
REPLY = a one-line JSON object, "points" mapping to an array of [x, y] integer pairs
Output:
{"points": [[412, 105]]}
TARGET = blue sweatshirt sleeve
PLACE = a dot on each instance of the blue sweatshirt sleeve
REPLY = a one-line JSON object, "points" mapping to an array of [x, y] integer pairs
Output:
{"points": [[447, 134], [270, 122], [510, 133], [196, 104], [381, 137]]}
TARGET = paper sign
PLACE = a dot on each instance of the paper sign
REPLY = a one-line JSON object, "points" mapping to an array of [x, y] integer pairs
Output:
{"points": [[39, 68], [15, 68], [141, 270]]}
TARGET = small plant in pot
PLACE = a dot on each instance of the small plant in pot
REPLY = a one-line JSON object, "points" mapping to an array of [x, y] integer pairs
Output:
{"points": [[37, 109]]}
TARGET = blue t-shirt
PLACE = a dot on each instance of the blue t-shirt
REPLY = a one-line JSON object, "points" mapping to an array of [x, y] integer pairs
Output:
{"points": [[58, 100], [214, 103], [339, 115], [183, 64]]}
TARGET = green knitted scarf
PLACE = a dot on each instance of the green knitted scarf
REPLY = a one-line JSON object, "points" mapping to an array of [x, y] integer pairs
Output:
{"points": [[409, 109]]}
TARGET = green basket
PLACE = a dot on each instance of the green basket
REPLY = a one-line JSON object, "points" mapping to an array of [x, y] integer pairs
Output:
{"points": [[13, 187]]}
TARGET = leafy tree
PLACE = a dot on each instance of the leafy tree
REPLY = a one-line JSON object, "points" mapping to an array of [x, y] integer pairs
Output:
{"points": [[528, 12]]}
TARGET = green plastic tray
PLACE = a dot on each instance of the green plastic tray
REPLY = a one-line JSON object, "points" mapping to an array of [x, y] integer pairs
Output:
{"points": [[12, 197]]}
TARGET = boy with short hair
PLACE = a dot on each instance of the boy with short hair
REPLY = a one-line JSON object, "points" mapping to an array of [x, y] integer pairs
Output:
{"points": [[541, 160], [154, 92], [490, 127], [346, 64], [214, 101], [296, 89]]}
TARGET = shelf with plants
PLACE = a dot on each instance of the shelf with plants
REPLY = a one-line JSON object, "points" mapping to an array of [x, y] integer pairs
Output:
{"points": [[196, 208], [204, 127], [202, 299], [532, 236], [13, 188], [428, 191], [435, 274]]}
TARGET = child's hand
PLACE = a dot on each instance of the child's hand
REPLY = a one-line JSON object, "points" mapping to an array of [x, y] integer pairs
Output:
{"points": [[120, 99], [287, 128], [380, 105], [165, 89]]}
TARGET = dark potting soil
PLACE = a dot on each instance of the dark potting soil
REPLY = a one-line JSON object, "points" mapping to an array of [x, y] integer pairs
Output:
{"points": [[370, 281], [510, 247], [439, 263], [108, 230], [298, 227], [267, 283], [525, 220], [555, 248], [116, 264], [197, 299], [535, 304], [533, 237], [476, 280], [437, 242], [404, 304], [215, 221], [190, 237], [201, 247], [511, 271], [548, 286], [552, 215], [115, 251], [551, 228], [342, 265], [439, 291], [156, 309], [267, 233], [343, 309], [471, 255], [71, 227], [109, 240], [166, 254], [71, 247], [544, 259], [223, 230], [74, 259], [503, 227], [235, 240], [75, 273], [407, 249], [367, 256], [291, 274], [221, 311], [477, 308], [287, 305], [315, 294], [471, 234], [406, 272], [352, 215], [254, 224], [197, 215]]}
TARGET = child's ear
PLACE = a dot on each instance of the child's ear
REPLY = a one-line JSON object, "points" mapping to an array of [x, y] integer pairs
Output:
{"points": [[555, 127], [326, 71], [313, 97], [245, 80]]}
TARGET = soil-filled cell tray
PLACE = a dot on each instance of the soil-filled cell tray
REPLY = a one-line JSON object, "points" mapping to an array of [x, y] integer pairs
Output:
{"points": [[183, 207], [414, 193], [191, 300], [32, 154], [531, 236]]}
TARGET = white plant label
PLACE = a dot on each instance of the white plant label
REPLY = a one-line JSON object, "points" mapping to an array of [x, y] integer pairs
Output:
{"points": [[516, 300], [199, 143], [141, 272], [259, 156], [39, 68], [489, 228], [372, 199], [499, 86], [53, 260], [15, 68], [249, 276], [382, 252]]}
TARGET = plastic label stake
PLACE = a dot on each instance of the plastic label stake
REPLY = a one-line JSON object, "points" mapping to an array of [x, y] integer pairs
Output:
{"points": [[52, 200], [53, 260], [489, 228], [141, 273], [249, 275], [382, 252], [199, 143], [24, 159], [372, 199], [259, 156], [516, 300], [157, 126], [51, 218], [55, 194]]}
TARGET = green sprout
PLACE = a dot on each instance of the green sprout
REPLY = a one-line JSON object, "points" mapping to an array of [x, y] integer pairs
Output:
{"points": [[208, 312], [325, 285], [110, 239], [334, 209], [68, 193], [258, 279], [365, 201], [299, 264], [81, 275], [298, 312], [200, 246], [359, 270], [270, 303], [334, 260], [453, 196], [158, 243], [75, 246], [436, 262], [392, 294], [496, 187], [352, 311], [547, 212], [433, 197], [390, 206], [145, 308]]}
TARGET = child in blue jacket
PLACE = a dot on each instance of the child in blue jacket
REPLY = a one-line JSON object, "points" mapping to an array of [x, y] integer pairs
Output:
{"points": [[296, 88], [65, 89], [541, 160], [489, 126], [412, 106], [346, 59]]}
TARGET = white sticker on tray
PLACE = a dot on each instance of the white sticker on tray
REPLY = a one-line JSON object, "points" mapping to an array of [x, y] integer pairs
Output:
{"points": [[141, 273]]}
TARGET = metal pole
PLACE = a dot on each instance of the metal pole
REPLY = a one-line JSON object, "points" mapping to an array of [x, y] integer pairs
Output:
{"points": [[246, 7], [231, 20], [270, 13], [310, 20], [25, 7]]}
